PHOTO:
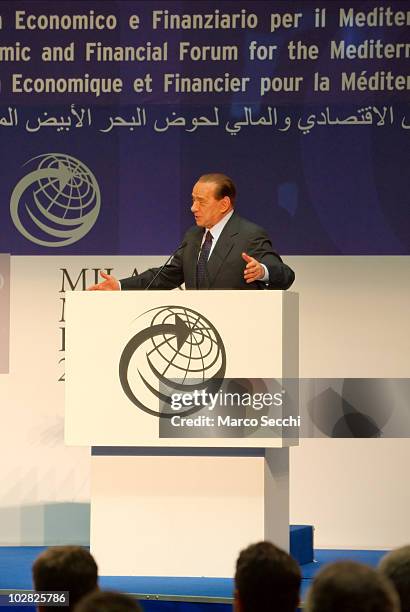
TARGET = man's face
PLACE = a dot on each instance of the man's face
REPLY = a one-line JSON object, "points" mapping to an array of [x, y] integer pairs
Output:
{"points": [[206, 208]]}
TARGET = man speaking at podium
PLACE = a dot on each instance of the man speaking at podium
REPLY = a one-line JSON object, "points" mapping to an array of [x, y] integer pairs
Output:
{"points": [[223, 251]]}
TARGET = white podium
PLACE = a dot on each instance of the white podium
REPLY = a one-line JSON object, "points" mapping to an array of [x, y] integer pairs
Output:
{"points": [[170, 499]]}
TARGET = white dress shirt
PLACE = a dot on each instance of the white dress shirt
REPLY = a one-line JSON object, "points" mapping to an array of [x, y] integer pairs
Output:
{"points": [[216, 231]]}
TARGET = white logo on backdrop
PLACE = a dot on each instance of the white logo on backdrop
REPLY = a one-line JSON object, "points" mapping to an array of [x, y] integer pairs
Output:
{"points": [[57, 203]]}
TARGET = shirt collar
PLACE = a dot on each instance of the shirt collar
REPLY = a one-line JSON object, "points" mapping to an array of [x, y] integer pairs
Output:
{"points": [[216, 230]]}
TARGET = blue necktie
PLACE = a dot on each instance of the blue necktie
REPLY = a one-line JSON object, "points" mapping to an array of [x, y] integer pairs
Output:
{"points": [[202, 261]]}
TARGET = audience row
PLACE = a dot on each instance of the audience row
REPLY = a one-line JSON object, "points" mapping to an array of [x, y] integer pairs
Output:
{"points": [[267, 579]]}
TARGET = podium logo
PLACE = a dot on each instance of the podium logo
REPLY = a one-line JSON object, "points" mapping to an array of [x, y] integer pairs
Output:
{"points": [[176, 349], [57, 202]]}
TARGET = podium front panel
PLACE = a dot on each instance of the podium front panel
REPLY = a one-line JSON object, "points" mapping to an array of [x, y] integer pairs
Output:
{"points": [[123, 347]]}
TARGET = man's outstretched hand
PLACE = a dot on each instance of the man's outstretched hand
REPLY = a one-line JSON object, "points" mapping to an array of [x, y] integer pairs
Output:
{"points": [[254, 271], [109, 284]]}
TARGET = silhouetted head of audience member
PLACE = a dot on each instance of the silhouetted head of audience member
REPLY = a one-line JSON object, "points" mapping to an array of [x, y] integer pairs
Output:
{"points": [[65, 568], [266, 579], [108, 601], [396, 566], [346, 586]]}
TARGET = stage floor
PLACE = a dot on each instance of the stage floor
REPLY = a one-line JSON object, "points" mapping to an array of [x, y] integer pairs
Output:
{"points": [[157, 594]]}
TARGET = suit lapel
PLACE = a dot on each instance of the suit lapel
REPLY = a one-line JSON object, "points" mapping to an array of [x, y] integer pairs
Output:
{"points": [[222, 248]]}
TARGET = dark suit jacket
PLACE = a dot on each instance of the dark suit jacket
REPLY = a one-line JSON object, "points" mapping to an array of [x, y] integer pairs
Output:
{"points": [[225, 265]]}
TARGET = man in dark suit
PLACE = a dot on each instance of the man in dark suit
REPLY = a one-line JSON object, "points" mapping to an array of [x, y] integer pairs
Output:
{"points": [[223, 250]]}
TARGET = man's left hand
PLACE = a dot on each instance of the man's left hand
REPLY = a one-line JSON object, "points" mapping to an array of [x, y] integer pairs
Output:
{"points": [[254, 271]]}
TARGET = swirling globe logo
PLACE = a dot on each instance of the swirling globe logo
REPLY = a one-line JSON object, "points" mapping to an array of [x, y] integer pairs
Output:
{"points": [[56, 203], [179, 350]]}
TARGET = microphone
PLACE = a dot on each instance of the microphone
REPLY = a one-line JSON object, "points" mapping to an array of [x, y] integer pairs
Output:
{"points": [[181, 246]]}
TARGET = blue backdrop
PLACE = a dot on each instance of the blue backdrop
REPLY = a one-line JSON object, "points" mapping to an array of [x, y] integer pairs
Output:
{"points": [[318, 181]]}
